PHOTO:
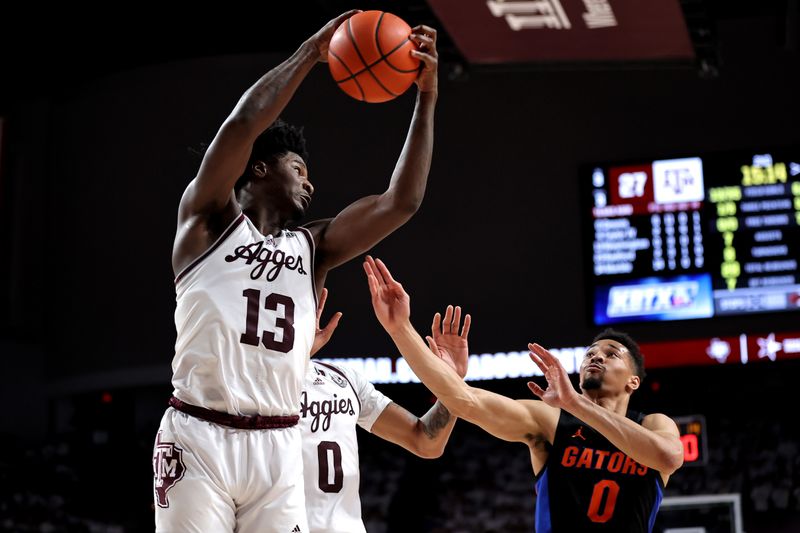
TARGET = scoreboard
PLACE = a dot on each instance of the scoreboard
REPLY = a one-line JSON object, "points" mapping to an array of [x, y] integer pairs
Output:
{"points": [[693, 437], [694, 237]]}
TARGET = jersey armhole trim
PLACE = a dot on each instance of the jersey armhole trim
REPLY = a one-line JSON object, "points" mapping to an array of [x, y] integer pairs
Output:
{"points": [[313, 275], [331, 367], [225, 234]]}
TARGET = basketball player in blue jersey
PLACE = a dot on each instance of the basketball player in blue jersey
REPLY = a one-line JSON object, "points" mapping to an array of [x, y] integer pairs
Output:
{"points": [[336, 399], [228, 454], [598, 466]]}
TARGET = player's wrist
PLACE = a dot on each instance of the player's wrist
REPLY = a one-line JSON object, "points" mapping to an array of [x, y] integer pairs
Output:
{"points": [[310, 50], [401, 329]]}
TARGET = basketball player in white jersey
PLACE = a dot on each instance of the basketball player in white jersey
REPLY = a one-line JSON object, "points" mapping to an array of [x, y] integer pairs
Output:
{"points": [[336, 399], [227, 456]]}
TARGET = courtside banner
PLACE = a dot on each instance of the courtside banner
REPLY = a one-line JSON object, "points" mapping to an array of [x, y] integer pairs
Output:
{"points": [[496, 32]]}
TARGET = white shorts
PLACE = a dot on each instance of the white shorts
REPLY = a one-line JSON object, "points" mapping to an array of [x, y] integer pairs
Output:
{"points": [[212, 478]]}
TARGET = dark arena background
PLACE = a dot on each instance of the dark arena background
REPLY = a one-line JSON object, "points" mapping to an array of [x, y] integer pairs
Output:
{"points": [[596, 162]]}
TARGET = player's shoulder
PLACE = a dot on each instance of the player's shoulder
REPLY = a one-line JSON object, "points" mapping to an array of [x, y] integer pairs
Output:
{"points": [[337, 371], [659, 422], [317, 228]]}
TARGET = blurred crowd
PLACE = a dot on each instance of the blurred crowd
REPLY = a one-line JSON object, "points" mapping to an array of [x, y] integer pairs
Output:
{"points": [[90, 483]]}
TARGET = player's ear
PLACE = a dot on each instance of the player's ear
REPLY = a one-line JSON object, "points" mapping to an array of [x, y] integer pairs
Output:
{"points": [[633, 383], [259, 168]]}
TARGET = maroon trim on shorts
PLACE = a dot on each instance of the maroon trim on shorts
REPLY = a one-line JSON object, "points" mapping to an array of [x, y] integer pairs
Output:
{"points": [[225, 235], [234, 421]]}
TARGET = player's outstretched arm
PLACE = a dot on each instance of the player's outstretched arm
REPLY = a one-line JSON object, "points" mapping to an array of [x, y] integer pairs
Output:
{"points": [[511, 420], [256, 110], [427, 436], [367, 221], [211, 191], [655, 443]]}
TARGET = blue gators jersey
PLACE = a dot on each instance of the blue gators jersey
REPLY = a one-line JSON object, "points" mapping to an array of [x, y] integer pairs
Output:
{"points": [[588, 485]]}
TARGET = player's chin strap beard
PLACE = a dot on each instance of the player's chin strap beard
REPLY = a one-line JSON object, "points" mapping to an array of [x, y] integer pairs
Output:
{"points": [[591, 384]]}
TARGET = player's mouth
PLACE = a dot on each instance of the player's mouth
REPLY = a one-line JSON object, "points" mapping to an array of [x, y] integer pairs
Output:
{"points": [[305, 200], [595, 367]]}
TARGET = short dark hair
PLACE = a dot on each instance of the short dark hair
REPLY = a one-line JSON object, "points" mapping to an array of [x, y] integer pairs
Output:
{"points": [[628, 342], [277, 140]]}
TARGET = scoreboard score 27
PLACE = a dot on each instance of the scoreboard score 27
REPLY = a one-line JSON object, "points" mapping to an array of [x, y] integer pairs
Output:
{"points": [[693, 237]]}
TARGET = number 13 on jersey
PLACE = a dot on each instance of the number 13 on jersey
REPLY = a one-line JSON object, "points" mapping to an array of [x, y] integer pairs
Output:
{"points": [[253, 336]]}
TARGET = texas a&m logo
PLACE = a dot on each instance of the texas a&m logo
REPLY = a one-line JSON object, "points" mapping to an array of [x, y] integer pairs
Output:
{"points": [[168, 468]]}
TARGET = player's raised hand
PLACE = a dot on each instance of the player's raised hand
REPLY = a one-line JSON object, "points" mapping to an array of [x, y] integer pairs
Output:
{"points": [[446, 341], [322, 39], [560, 392], [323, 335], [391, 303], [425, 37]]}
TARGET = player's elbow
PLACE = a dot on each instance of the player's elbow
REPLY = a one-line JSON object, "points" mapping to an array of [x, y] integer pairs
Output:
{"points": [[671, 459], [404, 204], [428, 450]]}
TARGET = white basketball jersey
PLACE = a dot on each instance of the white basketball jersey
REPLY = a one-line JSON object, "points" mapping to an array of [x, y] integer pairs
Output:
{"points": [[335, 399], [246, 317]]}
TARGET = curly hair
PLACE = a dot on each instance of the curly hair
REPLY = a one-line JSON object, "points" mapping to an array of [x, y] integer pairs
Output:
{"points": [[277, 140]]}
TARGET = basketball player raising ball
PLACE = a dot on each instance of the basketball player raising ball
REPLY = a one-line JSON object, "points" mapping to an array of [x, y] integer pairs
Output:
{"points": [[228, 454]]}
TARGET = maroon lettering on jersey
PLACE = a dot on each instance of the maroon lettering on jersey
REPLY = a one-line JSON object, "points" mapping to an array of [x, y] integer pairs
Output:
{"points": [[266, 260], [168, 468]]}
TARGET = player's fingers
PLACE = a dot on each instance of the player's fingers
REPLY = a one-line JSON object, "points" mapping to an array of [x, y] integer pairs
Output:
{"points": [[428, 58], [333, 324], [541, 364], [376, 271], [546, 355], [322, 298], [536, 389], [448, 319], [433, 346], [372, 281], [423, 40], [465, 329], [427, 30], [344, 16], [456, 320], [384, 270], [437, 323]]}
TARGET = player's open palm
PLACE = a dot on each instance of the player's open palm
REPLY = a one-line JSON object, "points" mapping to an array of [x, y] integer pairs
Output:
{"points": [[446, 342], [323, 335], [560, 392], [391, 303]]}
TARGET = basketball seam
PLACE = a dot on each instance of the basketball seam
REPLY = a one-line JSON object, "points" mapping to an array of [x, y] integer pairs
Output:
{"points": [[358, 85], [395, 49], [382, 58], [361, 57]]}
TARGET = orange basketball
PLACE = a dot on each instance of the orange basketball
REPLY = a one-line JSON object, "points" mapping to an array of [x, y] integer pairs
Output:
{"points": [[370, 56]]}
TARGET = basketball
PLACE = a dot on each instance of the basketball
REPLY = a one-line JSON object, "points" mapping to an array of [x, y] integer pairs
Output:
{"points": [[370, 56]]}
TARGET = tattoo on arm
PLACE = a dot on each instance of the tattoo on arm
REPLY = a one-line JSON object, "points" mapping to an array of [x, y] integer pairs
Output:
{"points": [[435, 420]]}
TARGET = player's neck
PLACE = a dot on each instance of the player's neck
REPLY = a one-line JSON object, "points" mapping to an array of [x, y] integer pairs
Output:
{"points": [[268, 219], [617, 403]]}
